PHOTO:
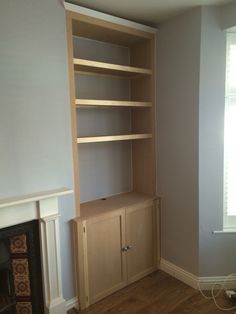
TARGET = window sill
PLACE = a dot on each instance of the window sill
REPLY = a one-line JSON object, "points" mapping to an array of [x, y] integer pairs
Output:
{"points": [[225, 231]]}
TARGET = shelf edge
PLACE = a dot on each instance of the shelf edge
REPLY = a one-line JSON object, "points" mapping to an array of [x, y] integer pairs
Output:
{"points": [[111, 138], [110, 103]]}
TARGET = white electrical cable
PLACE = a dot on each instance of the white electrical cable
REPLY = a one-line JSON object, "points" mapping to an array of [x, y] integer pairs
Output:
{"points": [[204, 295], [217, 305], [213, 296]]}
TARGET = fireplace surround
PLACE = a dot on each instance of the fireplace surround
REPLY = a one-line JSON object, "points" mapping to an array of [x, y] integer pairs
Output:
{"points": [[42, 207]]}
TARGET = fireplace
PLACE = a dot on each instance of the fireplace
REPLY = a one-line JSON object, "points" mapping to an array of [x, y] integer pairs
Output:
{"points": [[20, 269], [7, 296], [30, 264]]}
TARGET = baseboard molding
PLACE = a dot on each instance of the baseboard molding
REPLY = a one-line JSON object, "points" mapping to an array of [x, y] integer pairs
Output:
{"points": [[179, 273], [72, 303], [205, 283]]}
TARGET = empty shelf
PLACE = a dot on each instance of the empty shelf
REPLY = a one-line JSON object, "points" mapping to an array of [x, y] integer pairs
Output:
{"points": [[111, 103], [108, 68], [110, 138]]}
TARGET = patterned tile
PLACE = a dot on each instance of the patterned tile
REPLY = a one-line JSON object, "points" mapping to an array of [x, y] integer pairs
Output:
{"points": [[20, 267], [18, 244], [22, 287], [24, 308]]}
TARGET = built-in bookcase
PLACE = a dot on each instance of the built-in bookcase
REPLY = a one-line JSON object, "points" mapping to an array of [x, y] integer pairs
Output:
{"points": [[112, 87]]}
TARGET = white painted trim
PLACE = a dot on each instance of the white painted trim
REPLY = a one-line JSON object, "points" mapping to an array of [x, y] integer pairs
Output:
{"points": [[205, 283], [18, 200], [72, 303], [51, 256], [229, 231], [179, 273], [108, 18]]}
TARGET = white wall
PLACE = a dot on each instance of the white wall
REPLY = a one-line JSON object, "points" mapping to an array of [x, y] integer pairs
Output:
{"points": [[178, 64], [35, 139]]}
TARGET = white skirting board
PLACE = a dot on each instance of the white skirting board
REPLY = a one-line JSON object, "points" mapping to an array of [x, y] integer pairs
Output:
{"points": [[179, 273], [72, 303], [193, 281]]}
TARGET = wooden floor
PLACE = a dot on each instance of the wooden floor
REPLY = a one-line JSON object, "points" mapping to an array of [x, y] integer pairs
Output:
{"points": [[154, 294]]}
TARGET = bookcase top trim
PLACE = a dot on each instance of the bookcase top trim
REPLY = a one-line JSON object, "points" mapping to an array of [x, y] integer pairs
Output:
{"points": [[108, 18]]}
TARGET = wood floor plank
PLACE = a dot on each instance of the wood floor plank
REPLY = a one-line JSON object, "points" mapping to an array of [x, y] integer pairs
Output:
{"points": [[157, 293]]}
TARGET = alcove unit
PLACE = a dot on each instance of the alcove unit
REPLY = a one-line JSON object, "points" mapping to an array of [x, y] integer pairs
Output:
{"points": [[112, 89]]}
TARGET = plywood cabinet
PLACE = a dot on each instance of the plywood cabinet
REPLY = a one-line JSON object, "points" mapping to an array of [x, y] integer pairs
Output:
{"points": [[118, 248]]}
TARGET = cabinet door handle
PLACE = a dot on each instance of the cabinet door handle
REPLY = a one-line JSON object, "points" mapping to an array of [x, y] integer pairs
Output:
{"points": [[129, 247], [124, 249]]}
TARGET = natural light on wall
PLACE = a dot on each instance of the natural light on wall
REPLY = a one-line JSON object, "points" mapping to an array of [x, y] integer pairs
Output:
{"points": [[230, 135]]}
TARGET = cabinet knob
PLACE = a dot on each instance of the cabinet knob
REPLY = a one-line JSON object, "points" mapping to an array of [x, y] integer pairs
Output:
{"points": [[129, 247], [124, 249]]}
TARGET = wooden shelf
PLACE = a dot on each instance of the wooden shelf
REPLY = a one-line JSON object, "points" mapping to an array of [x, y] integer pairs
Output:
{"points": [[116, 202], [111, 138], [110, 103], [108, 68]]}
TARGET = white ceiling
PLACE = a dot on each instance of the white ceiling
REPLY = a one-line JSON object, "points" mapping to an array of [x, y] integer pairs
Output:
{"points": [[147, 11]]}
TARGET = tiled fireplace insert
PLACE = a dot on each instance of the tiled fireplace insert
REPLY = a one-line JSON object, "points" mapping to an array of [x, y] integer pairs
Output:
{"points": [[20, 270]]}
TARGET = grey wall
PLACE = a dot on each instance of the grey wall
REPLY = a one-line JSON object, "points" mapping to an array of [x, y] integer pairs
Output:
{"points": [[35, 140], [177, 119], [228, 15], [216, 252], [190, 134]]}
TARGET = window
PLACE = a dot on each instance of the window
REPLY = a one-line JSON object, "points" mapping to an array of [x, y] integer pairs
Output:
{"points": [[230, 135]]}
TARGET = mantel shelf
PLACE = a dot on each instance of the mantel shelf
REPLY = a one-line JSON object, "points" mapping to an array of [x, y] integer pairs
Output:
{"points": [[34, 197], [85, 65], [111, 138], [110, 103]]}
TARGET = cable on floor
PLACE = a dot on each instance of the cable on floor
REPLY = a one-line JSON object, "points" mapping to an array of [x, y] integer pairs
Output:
{"points": [[213, 296]]}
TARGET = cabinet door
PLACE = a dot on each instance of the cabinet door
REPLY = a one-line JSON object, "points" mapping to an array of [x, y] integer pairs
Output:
{"points": [[106, 261], [141, 241]]}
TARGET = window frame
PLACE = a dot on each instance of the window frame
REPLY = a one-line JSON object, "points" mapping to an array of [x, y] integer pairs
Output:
{"points": [[229, 221]]}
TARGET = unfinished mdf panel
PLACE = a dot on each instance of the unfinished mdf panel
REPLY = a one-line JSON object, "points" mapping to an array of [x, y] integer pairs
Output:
{"points": [[73, 111], [108, 30], [106, 261], [141, 53], [141, 87], [143, 162], [141, 238], [143, 152]]}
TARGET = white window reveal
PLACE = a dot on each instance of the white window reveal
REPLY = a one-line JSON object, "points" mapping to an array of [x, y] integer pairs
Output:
{"points": [[230, 135]]}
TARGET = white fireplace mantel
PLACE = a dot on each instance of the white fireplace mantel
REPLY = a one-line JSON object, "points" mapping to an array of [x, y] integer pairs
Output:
{"points": [[44, 207]]}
